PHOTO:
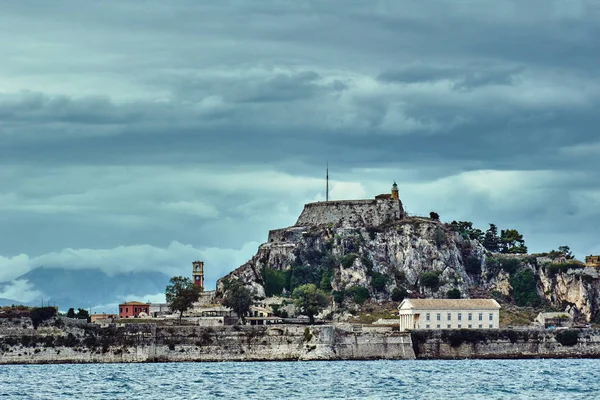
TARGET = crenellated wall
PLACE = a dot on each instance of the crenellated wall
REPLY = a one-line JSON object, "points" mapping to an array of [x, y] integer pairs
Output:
{"points": [[351, 213]]}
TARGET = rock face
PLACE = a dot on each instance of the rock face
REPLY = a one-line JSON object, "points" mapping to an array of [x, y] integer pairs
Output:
{"points": [[373, 244]]}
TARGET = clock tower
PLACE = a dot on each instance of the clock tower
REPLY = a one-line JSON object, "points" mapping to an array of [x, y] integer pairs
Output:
{"points": [[198, 273]]}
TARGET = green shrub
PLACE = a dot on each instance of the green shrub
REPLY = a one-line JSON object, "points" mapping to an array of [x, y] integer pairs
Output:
{"points": [[400, 276], [568, 337], [348, 260], [439, 237], [430, 279], [524, 289], [456, 337], [473, 265], [338, 296], [554, 268], [510, 265], [326, 279], [366, 261], [399, 294], [359, 294], [453, 294], [379, 281]]}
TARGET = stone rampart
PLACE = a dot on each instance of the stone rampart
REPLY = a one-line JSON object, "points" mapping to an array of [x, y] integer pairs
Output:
{"points": [[147, 342], [351, 213], [506, 344]]}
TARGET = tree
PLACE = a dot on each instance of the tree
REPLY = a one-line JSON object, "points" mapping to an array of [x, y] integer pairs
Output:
{"points": [[82, 314], [566, 251], [273, 281], [181, 293], [71, 313], [399, 294], [41, 314], [430, 279], [524, 289], [310, 300], [491, 241], [563, 251], [238, 297], [511, 241], [465, 228], [453, 294], [434, 216]]}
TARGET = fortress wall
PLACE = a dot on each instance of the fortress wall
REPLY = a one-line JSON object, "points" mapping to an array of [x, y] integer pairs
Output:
{"points": [[351, 213], [286, 234]]}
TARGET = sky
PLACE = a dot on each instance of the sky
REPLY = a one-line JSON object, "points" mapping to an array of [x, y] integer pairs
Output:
{"points": [[143, 135]]}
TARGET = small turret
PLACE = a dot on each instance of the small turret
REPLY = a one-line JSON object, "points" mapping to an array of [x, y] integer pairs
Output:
{"points": [[395, 192]]}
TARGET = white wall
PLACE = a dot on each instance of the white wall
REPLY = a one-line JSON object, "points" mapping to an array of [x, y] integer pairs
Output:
{"points": [[459, 319]]}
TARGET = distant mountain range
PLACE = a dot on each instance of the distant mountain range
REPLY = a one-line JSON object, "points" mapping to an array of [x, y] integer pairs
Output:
{"points": [[88, 287]]}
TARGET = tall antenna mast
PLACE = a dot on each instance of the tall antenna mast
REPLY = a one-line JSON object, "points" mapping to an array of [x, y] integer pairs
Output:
{"points": [[327, 184]]}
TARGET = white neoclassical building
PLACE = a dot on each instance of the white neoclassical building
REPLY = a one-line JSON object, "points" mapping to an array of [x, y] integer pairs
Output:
{"points": [[449, 314]]}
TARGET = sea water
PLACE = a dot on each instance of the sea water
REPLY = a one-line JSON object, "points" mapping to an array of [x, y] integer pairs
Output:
{"points": [[462, 379]]}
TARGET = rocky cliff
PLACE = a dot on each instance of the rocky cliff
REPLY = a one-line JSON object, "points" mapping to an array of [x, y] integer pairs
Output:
{"points": [[414, 256]]}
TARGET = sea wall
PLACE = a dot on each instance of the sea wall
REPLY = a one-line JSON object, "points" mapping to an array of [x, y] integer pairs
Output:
{"points": [[143, 342], [351, 213], [499, 343]]}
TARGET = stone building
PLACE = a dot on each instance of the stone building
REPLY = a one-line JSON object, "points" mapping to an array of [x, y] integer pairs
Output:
{"points": [[102, 318], [554, 319], [449, 314], [384, 208], [592, 261]]}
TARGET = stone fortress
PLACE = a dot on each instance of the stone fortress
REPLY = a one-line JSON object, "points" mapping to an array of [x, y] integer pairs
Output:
{"points": [[592, 261], [384, 208]]}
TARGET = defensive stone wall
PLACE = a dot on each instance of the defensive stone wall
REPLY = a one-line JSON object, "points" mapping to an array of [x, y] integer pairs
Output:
{"points": [[351, 213], [57, 342], [147, 342], [506, 344]]}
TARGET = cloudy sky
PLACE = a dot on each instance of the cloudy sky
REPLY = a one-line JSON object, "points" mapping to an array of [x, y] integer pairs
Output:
{"points": [[141, 135]]}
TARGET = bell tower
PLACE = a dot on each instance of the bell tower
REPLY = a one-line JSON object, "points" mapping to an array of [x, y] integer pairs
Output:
{"points": [[198, 273], [395, 192]]}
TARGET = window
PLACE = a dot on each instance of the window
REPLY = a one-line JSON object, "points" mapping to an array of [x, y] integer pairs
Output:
{"points": [[439, 317], [427, 326], [459, 316], [470, 317], [449, 316], [449, 326], [126, 309], [491, 317], [427, 318], [470, 326], [480, 326], [459, 326], [481, 316], [438, 326], [491, 326], [121, 310]]}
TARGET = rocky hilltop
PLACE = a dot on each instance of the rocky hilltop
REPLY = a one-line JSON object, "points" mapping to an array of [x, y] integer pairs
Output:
{"points": [[372, 249]]}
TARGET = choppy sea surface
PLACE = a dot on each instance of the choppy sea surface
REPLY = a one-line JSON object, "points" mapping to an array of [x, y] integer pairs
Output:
{"points": [[464, 379]]}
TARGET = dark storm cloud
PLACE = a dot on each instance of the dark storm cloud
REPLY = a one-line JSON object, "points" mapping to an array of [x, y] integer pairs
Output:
{"points": [[124, 124]]}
